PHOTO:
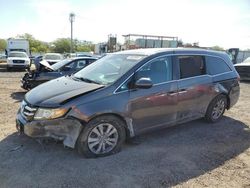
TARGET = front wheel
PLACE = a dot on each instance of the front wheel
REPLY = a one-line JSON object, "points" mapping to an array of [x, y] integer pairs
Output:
{"points": [[216, 109], [101, 137]]}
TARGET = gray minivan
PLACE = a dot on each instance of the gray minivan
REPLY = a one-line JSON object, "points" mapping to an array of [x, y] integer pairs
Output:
{"points": [[127, 93]]}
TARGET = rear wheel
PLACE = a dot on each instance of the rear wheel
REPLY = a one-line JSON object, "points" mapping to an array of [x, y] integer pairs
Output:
{"points": [[101, 137], [216, 109]]}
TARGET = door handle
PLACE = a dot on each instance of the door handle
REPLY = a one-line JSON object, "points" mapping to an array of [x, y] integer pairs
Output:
{"points": [[172, 93], [182, 91]]}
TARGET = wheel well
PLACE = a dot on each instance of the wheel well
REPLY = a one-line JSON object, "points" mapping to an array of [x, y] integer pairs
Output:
{"points": [[228, 100], [117, 116], [227, 97]]}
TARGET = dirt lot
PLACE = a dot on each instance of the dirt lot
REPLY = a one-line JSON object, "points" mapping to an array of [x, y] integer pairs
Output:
{"points": [[195, 154]]}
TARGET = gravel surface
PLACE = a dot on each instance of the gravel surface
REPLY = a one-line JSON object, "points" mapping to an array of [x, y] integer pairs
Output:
{"points": [[195, 154]]}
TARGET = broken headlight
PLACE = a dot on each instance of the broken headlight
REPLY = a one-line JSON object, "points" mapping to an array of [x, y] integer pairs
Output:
{"points": [[46, 113]]}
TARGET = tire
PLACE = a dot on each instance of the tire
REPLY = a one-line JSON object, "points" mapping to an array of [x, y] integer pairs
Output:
{"points": [[8, 69], [216, 109], [95, 135]]}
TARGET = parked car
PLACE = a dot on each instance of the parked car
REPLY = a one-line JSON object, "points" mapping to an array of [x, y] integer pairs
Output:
{"points": [[127, 93], [3, 58], [243, 69], [45, 72], [53, 58], [18, 60]]}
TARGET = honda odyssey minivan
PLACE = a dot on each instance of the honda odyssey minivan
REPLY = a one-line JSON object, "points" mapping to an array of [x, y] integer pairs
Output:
{"points": [[127, 93]]}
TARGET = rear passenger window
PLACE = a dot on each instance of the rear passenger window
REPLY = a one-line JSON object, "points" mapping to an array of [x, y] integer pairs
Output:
{"points": [[216, 65], [191, 66]]}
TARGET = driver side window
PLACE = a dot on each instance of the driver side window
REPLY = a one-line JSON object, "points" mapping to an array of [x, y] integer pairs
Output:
{"points": [[158, 70]]}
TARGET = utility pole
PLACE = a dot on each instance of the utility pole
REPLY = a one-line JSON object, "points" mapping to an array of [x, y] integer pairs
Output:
{"points": [[71, 19]]}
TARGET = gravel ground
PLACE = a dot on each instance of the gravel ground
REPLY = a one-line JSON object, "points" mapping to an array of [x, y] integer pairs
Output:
{"points": [[195, 154]]}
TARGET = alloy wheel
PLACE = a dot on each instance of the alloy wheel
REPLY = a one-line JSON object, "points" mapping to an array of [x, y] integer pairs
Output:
{"points": [[218, 109], [102, 138]]}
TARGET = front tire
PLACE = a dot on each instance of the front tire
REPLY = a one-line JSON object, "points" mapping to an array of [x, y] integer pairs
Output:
{"points": [[216, 109], [101, 137]]}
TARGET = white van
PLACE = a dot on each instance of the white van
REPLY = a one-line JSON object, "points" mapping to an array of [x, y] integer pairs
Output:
{"points": [[18, 59], [21, 45]]}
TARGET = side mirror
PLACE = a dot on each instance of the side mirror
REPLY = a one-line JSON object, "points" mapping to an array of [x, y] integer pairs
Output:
{"points": [[144, 83]]}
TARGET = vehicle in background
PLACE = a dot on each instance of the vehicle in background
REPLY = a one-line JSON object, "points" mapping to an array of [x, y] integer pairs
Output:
{"points": [[21, 45], [53, 58], [3, 58], [84, 54], [18, 60], [243, 69], [45, 72], [237, 56]]}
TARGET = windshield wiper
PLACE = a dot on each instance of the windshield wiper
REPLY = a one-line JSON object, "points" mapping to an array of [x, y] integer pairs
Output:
{"points": [[87, 80]]}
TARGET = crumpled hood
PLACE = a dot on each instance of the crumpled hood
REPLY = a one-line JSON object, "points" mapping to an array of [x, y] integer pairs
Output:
{"points": [[46, 64], [54, 92]]}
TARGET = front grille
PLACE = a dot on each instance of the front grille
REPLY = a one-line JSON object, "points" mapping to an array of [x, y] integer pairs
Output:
{"points": [[18, 61], [27, 111]]}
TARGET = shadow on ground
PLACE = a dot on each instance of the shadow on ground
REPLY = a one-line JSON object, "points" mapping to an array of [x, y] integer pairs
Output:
{"points": [[163, 158], [18, 96]]}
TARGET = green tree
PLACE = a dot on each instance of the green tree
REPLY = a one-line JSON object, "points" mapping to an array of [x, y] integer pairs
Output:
{"points": [[35, 45], [218, 48], [61, 45], [3, 44], [83, 46]]}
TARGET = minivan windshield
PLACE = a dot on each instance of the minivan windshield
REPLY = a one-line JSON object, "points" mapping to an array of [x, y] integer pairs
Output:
{"points": [[108, 69]]}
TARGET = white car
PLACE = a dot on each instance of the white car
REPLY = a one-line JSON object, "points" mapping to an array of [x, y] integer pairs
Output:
{"points": [[243, 69], [52, 58], [18, 60]]}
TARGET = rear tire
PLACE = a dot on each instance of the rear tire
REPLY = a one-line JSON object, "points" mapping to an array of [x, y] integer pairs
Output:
{"points": [[101, 137], [216, 109]]}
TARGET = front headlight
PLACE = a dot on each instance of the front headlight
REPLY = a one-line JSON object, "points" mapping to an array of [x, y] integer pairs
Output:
{"points": [[46, 113]]}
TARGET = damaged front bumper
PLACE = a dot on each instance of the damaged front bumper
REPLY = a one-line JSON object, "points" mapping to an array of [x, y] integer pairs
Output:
{"points": [[26, 81], [64, 129]]}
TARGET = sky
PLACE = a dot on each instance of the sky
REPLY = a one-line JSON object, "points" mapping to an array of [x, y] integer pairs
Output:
{"points": [[210, 22]]}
